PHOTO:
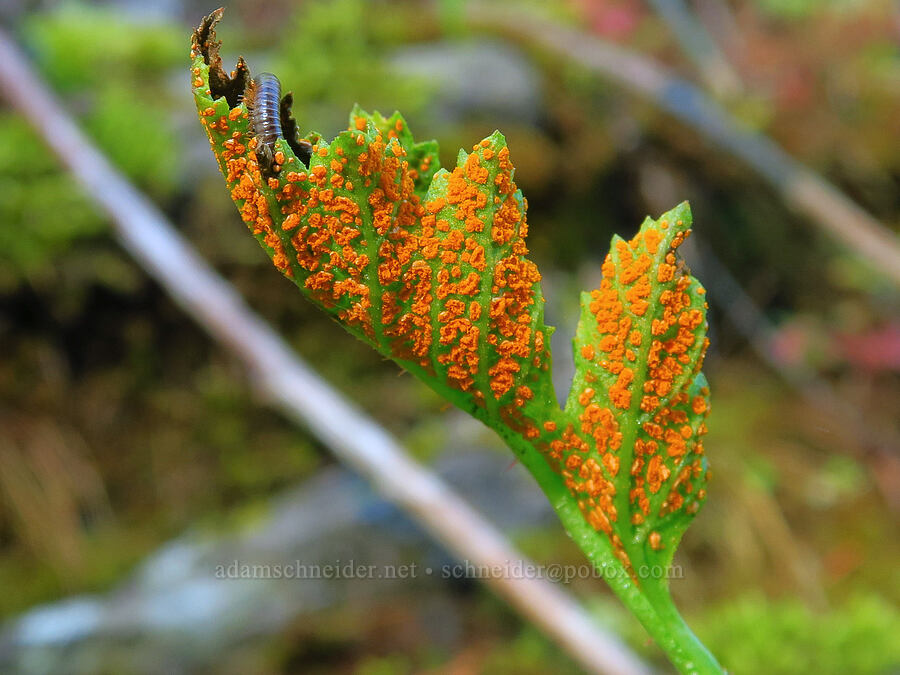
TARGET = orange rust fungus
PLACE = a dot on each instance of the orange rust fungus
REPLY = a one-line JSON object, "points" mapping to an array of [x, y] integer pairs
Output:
{"points": [[620, 393], [657, 473], [641, 315], [444, 283], [451, 228], [652, 238], [655, 541]]}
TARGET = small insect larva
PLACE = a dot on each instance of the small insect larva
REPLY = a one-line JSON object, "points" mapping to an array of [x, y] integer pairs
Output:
{"points": [[265, 109], [270, 120], [263, 99]]}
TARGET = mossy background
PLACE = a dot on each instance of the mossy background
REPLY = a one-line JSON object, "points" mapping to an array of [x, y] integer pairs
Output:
{"points": [[122, 424]]}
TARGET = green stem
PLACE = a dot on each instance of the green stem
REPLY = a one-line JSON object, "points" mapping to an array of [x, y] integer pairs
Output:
{"points": [[688, 654], [650, 601]]}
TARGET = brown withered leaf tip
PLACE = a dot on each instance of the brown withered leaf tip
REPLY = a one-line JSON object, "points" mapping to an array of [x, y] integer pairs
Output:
{"points": [[220, 83], [289, 129], [234, 87]]}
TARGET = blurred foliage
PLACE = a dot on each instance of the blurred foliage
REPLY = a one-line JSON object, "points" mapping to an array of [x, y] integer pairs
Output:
{"points": [[804, 9], [112, 71], [328, 70], [42, 208], [92, 349], [82, 49], [754, 634]]}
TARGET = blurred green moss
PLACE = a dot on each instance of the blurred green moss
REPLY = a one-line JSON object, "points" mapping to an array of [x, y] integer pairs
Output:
{"points": [[333, 54], [80, 48], [754, 634], [137, 136], [803, 9], [396, 664], [113, 73], [42, 210]]}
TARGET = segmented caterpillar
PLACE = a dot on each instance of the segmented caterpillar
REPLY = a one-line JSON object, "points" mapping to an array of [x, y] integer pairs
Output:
{"points": [[267, 110], [264, 105]]}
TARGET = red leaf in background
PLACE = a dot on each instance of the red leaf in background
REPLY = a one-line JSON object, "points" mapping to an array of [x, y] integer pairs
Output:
{"points": [[876, 350], [610, 19]]}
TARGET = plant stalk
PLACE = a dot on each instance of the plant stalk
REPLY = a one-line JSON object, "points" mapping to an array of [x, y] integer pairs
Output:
{"points": [[650, 601]]}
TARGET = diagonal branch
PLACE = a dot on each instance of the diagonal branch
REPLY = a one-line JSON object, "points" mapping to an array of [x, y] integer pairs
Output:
{"points": [[293, 387], [698, 45]]}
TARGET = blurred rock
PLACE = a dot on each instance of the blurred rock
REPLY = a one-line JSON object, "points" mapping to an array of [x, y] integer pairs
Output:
{"points": [[192, 600], [484, 78]]}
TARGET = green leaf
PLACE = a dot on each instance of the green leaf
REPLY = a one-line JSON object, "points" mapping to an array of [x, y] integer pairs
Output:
{"points": [[430, 267], [639, 397]]}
